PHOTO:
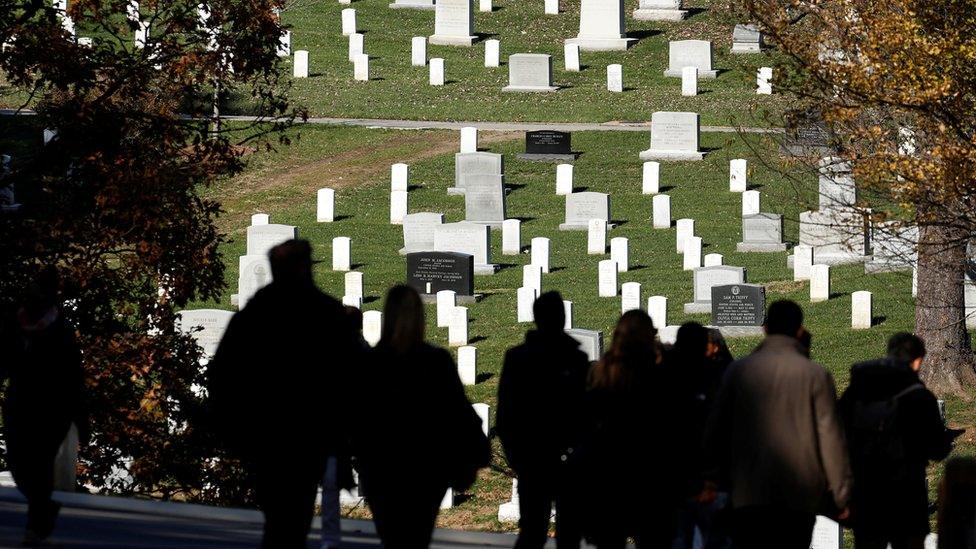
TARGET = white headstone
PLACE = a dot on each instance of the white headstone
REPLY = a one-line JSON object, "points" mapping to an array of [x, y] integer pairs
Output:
{"points": [[341, 253], [615, 78], [690, 53], [360, 68], [712, 260], [564, 179], [657, 309], [300, 69], [660, 10], [205, 326], [484, 6], [685, 230], [484, 199], [571, 53], [469, 139], [261, 238], [802, 262], [689, 81], [418, 51], [325, 207], [353, 283], [284, 44], [651, 181], [750, 203], [356, 46], [764, 81], [446, 301], [468, 365], [540, 253], [602, 26], [692, 256], [827, 534], [457, 330], [453, 23], [260, 219], [861, 310], [674, 136], [552, 7], [532, 277], [254, 272], [492, 52], [436, 71], [608, 278], [511, 237], [348, 21], [448, 500], [530, 72], [398, 207], [620, 252], [467, 238], [399, 177], [352, 301], [568, 310], [819, 283], [630, 296], [582, 207], [661, 211], [738, 172], [372, 327], [483, 411], [418, 231], [526, 299], [596, 237]]}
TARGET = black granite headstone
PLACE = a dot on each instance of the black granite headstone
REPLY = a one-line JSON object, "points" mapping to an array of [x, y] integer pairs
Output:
{"points": [[548, 145], [738, 305], [431, 272]]}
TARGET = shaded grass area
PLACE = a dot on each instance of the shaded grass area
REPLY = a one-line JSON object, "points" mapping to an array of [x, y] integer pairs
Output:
{"points": [[283, 184], [473, 92]]}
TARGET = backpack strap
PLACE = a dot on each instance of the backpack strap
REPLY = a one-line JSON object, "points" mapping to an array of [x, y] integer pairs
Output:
{"points": [[910, 389]]}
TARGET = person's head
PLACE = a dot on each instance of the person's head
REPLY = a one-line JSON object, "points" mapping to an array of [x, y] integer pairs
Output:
{"points": [[403, 319], [42, 293], [692, 341], [549, 312], [784, 318], [907, 349], [718, 349], [355, 318], [291, 262], [634, 346]]}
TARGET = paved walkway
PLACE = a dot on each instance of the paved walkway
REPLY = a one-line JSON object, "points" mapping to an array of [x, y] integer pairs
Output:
{"points": [[505, 126]]}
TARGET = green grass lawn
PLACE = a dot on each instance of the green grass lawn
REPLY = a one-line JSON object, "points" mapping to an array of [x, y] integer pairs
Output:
{"points": [[356, 162], [473, 92]]}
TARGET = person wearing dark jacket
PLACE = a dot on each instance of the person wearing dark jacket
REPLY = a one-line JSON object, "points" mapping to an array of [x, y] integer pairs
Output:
{"points": [[415, 433], [774, 435], [894, 429], [42, 362], [539, 421], [276, 386], [633, 442]]}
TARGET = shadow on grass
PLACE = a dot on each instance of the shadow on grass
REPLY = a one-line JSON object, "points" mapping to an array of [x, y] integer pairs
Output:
{"points": [[476, 339], [483, 377]]}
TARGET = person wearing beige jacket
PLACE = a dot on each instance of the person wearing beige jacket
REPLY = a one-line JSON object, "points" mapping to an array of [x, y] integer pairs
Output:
{"points": [[776, 440]]}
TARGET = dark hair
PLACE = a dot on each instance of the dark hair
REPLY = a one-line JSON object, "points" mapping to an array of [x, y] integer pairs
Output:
{"points": [[957, 503], [355, 318], [722, 355], [691, 341], [634, 347], [403, 319], [784, 318], [291, 261], [549, 312], [906, 347]]}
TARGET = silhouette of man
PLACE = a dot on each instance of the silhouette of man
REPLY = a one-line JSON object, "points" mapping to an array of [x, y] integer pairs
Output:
{"points": [[43, 364], [893, 428], [540, 401], [777, 438], [275, 387]]}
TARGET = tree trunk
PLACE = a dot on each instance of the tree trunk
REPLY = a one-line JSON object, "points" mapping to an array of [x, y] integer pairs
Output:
{"points": [[940, 309]]}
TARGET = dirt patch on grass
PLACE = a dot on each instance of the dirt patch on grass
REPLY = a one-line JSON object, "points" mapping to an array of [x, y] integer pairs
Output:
{"points": [[269, 189]]}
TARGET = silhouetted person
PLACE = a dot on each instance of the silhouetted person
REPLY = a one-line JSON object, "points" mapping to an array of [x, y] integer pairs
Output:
{"points": [[957, 504], [416, 434], [276, 386], [894, 429], [634, 441], [777, 438], [539, 421], [42, 362], [698, 361]]}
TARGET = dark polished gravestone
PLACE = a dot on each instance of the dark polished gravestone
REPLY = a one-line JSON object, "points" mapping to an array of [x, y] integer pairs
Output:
{"points": [[548, 145], [739, 310], [431, 272], [808, 135]]}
